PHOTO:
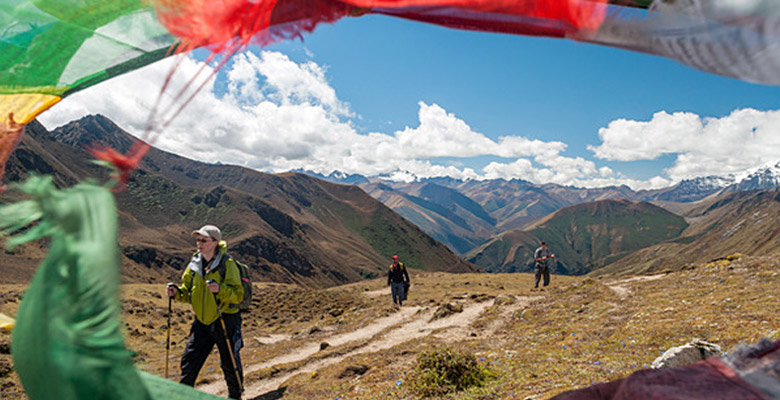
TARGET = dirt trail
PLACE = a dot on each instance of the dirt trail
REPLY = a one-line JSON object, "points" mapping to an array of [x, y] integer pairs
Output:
{"points": [[303, 352], [415, 328], [378, 292], [404, 325], [621, 286]]}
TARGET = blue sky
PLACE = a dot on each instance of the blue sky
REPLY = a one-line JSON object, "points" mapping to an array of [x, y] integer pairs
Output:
{"points": [[378, 75]]}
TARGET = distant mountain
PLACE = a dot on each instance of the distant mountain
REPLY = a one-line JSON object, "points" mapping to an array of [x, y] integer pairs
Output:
{"points": [[512, 203], [508, 205], [288, 227], [443, 213], [734, 222], [762, 178], [689, 190], [584, 237], [337, 177]]}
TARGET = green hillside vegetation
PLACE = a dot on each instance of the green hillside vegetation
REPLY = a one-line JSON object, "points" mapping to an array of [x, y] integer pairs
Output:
{"points": [[583, 237], [737, 222]]}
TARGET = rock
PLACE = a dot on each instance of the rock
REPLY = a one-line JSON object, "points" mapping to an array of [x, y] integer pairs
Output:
{"points": [[446, 310], [503, 299], [314, 329], [136, 333], [324, 345], [353, 370], [689, 353], [480, 297]]}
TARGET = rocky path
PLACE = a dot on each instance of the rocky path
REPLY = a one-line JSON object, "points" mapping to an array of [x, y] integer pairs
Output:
{"points": [[407, 324], [621, 286]]}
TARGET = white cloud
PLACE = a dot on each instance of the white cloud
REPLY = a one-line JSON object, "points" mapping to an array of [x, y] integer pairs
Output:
{"points": [[744, 139], [569, 171], [272, 114]]}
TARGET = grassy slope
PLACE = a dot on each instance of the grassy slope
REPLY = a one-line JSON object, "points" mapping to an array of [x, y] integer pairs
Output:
{"points": [[577, 332], [584, 237], [743, 222]]}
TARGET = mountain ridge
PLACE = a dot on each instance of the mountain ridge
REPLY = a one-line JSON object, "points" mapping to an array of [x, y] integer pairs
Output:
{"points": [[289, 227], [585, 237]]}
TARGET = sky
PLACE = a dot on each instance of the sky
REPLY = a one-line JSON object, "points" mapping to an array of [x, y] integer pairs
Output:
{"points": [[382, 96]]}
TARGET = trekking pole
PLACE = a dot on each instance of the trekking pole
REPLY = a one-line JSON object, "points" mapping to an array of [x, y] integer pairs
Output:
{"points": [[168, 341], [227, 341]]}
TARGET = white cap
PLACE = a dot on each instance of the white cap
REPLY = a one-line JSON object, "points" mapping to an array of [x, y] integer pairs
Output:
{"points": [[209, 231]]}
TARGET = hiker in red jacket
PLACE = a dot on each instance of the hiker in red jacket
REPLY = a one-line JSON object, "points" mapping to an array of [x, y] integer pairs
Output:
{"points": [[398, 280]]}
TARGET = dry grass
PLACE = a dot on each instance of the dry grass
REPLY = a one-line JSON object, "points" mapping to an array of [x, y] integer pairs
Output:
{"points": [[577, 332]]}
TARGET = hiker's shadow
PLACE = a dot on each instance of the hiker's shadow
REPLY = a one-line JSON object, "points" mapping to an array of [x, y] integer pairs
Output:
{"points": [[272, 395]]}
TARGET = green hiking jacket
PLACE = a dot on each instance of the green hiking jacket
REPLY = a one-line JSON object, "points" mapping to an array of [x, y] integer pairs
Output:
{"points": [[195, 291]]}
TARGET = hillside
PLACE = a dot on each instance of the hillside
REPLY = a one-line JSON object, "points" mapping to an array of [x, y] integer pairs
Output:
{"points": [[734, 222], [446, 215], [347, 342], [496, 206], [514, 203], [289, 227], [584, 237]]}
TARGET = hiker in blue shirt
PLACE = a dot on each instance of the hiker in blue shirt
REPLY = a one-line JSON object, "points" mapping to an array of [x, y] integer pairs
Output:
{"points": [[542, 255]]}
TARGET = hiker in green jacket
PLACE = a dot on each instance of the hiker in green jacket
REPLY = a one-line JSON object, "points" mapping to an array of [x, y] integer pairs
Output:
{"points": [[212, 281]]}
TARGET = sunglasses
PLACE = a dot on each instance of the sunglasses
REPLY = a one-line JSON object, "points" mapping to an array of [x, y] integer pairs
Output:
{"points": [[203, 240]]}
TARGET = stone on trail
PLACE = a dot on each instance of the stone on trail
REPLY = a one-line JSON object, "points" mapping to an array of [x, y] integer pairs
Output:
{"points": [[353, 370], [689, 353], [446, 310], [503, 299]]}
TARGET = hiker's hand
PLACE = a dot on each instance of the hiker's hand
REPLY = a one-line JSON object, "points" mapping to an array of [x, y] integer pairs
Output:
{"points": [[213, 287], [170, 290]]}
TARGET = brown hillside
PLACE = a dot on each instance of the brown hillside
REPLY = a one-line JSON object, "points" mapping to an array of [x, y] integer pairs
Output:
{"points": [[736, 222], [289, 227]]}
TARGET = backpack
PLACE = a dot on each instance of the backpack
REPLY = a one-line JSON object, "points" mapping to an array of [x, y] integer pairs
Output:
{"points": [[246, 282]]}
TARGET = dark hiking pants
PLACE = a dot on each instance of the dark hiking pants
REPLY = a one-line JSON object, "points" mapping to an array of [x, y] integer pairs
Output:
{"points": [[542, 270], [397, 290], [199, 345]]}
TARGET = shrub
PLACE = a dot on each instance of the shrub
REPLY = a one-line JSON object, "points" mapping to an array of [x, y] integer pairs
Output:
{"points": [[445, 370]]}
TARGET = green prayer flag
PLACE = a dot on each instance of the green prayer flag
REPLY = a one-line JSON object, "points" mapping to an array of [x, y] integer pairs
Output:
{"points": [[68, 340]]}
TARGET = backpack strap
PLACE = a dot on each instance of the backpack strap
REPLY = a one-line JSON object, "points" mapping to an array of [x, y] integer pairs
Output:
{"points": [[222, 267]]}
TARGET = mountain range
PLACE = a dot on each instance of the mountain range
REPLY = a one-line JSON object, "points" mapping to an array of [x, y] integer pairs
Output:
{"points": [[465, 214], [288, 227], [318, 231]]}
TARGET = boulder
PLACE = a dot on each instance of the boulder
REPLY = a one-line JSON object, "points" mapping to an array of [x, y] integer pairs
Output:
{"points": [[689, 353], [353, 370], [446, 310], [503, 299]]}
